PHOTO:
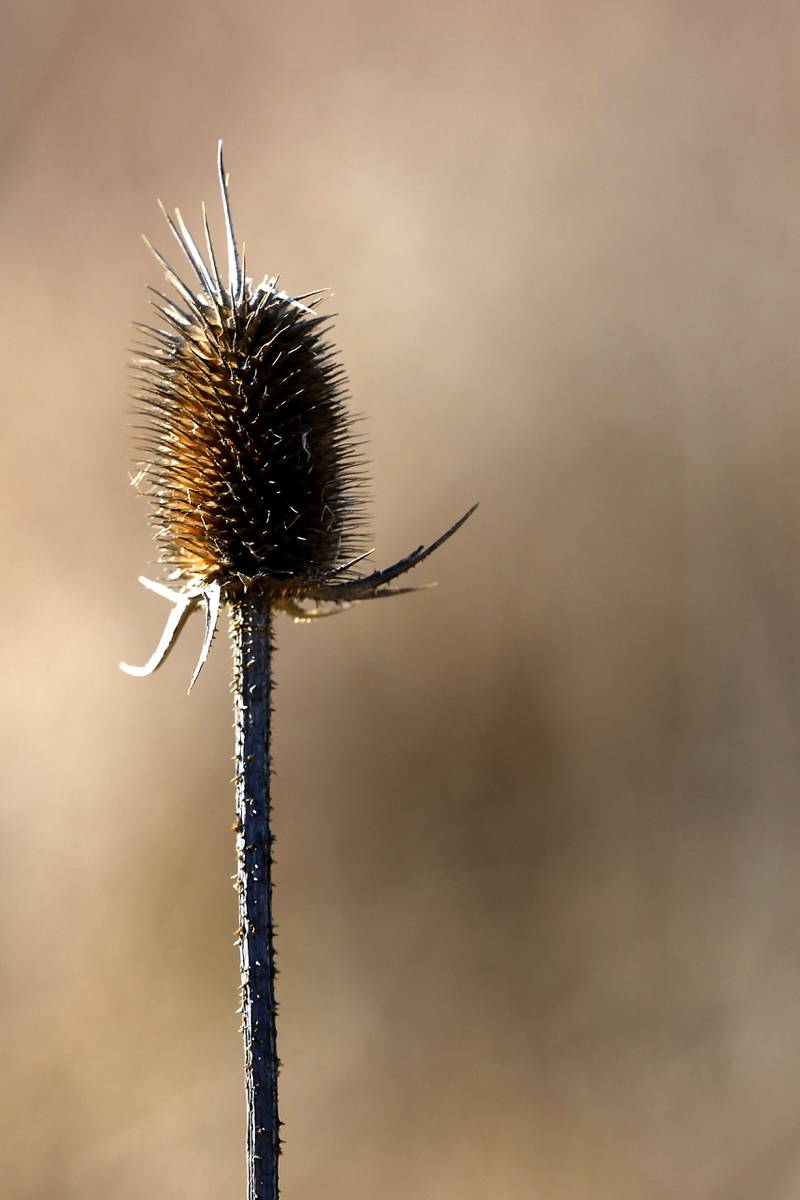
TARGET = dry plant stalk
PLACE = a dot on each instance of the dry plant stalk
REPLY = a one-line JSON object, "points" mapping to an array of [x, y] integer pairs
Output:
{"points": [[255, 485]]}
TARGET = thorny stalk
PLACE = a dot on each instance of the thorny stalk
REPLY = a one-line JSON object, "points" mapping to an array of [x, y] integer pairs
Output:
{"points": [[255, 481], [251, 635]]}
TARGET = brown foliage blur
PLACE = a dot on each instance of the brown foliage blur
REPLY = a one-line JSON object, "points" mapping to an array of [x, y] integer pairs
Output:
{"points": [[537, 829]]}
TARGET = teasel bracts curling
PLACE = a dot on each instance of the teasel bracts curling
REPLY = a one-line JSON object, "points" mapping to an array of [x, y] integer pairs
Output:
{"points": [[249, 458]]}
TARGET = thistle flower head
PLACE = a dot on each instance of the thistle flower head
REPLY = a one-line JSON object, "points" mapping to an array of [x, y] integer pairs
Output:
{"points": [[250, 463]]}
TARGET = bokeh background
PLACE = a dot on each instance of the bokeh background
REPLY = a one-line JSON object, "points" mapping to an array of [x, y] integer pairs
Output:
{"points": [[538, 829]]}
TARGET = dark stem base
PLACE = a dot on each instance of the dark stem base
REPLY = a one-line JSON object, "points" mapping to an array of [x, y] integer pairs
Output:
{"points": [[251, 634]]}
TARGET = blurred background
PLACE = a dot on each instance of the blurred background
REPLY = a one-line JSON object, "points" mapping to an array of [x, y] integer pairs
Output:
{"points": [[537, 829]]}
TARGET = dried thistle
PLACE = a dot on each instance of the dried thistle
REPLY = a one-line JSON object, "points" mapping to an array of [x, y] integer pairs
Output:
{"points": [[250, 462], [255, 480]]}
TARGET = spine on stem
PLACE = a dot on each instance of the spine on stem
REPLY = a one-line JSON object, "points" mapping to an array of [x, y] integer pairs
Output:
{"points": [[251, 634]]}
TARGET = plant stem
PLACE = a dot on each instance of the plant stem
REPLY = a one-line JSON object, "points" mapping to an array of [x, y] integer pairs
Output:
{"points": [[251, 635]]}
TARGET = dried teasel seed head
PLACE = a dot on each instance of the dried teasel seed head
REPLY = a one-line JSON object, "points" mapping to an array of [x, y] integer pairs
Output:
{"points": [[250, 462]]}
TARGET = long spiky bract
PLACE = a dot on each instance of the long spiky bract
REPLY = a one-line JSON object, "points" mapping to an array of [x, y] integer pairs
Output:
{"points": [[256, 485]]}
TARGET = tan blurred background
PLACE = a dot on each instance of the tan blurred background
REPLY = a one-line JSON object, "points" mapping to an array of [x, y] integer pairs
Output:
{"points": [[539, 912]]}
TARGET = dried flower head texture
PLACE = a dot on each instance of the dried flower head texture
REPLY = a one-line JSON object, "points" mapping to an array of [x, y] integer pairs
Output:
{"points": [[250, 462]]}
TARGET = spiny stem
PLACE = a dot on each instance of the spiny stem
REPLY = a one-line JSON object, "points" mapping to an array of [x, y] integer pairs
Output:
{"points": [[251, 635]]}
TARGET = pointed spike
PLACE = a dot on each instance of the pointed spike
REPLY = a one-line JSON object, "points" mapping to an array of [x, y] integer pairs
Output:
{"points": [[189, 247], [347, 565], [320, 292], [210, 601], [172, 277], [242, 279], [170, 310], [171, 314], [211, 256], [169, 270], [233, 257]]}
